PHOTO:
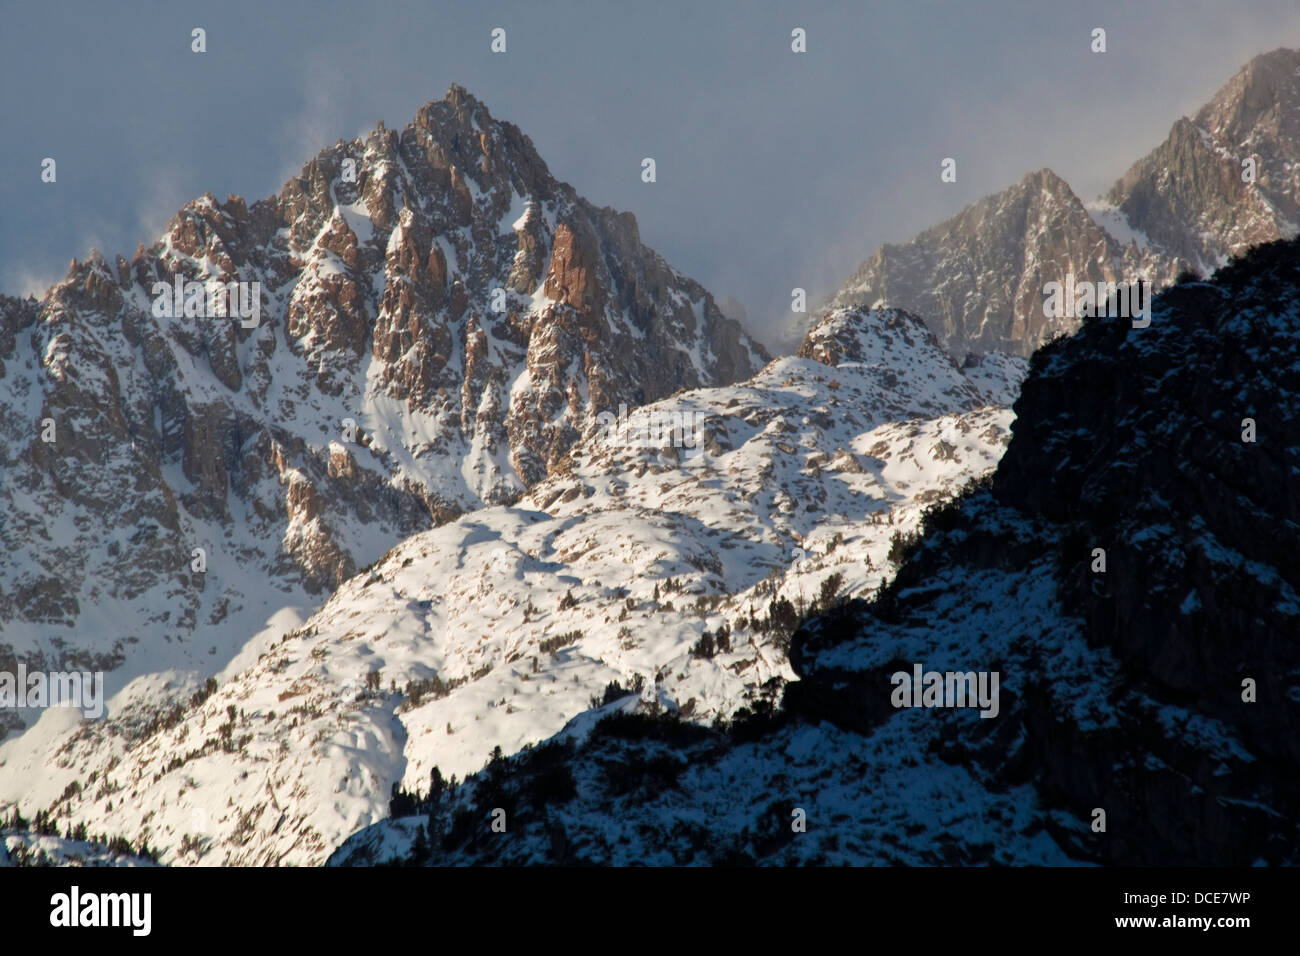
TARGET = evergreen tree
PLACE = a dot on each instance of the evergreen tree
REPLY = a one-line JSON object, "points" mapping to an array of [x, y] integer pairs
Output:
{"points": [[419, 848], [401, 803], [436, 785]]}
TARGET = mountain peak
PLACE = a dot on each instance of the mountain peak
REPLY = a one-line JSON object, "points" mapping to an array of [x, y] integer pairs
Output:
{"points": [[977, 278], [1223, 180], [1047, 180], [1220, 183], [462, 103], [859, 335], [1283, 61], [429, 321], [892, 346], [1259, 105]]}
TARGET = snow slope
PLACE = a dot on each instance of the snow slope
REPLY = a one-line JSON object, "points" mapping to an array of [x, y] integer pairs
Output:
{"points": [[500, 627]]}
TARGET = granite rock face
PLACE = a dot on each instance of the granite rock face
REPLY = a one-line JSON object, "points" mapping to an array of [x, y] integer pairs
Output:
{"points": [[1189, 197], [978, 278]]}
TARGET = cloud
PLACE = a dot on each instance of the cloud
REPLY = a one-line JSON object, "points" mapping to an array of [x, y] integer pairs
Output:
{"points": [[23, 281], [325, 93], [163, 193]]}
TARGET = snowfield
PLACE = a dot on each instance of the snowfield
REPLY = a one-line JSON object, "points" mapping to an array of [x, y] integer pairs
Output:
{"points": [[506, 625]]}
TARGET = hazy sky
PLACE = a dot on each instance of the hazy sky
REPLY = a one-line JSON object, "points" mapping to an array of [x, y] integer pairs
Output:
{"points": [[775, 169]]}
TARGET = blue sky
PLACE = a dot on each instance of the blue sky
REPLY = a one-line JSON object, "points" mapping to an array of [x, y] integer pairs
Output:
{"points": [[775, 169]]}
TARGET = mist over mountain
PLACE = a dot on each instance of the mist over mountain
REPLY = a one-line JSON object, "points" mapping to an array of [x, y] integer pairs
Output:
{"points": [[978, 279]]}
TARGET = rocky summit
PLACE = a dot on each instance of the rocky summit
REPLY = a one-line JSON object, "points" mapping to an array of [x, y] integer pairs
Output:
{"points": [[437, 320]]}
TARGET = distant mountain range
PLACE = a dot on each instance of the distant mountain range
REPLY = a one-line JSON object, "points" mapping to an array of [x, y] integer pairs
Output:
{"points": [[977, 279], [431, 412]]}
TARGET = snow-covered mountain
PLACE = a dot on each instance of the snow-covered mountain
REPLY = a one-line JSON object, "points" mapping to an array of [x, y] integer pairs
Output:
{"points": [[978, 279], [1149, 699], [665, 565], [433, 321], [1188, 199], [484, 487]]}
